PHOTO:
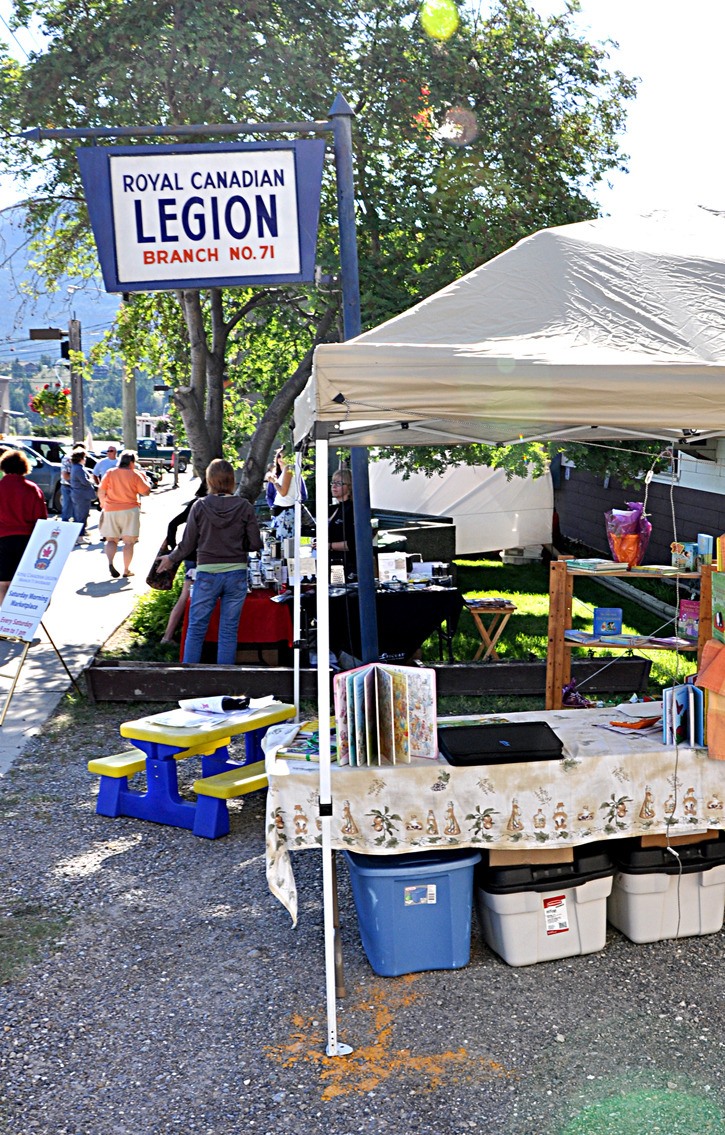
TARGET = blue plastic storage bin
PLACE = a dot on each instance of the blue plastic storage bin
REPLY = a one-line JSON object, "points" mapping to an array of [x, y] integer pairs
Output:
{"points": [[414, 911]]}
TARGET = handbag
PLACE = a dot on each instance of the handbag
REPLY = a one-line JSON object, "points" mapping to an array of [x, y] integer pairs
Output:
{"points": [[161, 580]]}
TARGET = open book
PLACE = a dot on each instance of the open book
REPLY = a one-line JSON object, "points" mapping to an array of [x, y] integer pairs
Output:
{"points": [[683, 721], [385, 714]]}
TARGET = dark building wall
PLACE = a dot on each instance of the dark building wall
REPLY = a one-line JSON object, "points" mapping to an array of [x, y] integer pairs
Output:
{"points": [[582, 500]]}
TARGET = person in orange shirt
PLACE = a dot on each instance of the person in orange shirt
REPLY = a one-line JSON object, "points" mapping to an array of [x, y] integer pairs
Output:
{"points": [[119, 493]]}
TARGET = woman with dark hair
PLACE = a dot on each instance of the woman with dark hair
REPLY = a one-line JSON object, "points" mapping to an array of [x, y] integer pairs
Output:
{"points": [[119, 493], [222, 530], [21, 504], [82, 491]]}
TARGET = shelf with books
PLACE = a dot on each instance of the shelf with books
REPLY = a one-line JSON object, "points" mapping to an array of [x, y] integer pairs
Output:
{"points": [[562, 639]]}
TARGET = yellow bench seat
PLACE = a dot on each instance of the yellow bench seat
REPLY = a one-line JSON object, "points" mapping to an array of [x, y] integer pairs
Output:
{"points": [[133, 760], [234, 782]]}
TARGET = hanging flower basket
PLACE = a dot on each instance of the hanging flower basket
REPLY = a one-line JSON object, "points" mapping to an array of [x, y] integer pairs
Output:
{"points": [[52, 401]]}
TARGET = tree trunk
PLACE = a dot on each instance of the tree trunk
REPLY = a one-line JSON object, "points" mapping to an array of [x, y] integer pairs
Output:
{"points": [[191, 399], [255, 466]]}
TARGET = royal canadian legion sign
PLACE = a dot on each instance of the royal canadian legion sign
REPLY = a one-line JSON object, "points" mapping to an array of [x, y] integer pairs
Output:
{"points": [[195, 216]]}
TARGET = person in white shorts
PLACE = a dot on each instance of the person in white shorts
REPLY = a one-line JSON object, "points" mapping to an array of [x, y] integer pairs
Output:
{"points": [[119, 493]]}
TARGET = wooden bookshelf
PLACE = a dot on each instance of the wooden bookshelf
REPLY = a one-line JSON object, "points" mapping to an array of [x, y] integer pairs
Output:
{"points": [[561, 593]]}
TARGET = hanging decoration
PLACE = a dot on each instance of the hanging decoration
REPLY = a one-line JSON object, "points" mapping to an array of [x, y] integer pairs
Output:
{"points": [[52, 401]]}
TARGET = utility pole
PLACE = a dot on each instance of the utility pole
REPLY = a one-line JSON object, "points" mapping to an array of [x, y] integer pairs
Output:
{"points": [[76, 382]]}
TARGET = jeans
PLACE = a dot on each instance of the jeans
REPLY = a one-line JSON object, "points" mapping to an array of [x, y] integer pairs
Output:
{"points": [[66, 502], [231, 588], [80, 514]]}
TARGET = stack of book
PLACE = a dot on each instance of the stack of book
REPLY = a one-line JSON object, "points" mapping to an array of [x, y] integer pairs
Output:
{"points": [[655, 569], [583, 638], [595, 565]]}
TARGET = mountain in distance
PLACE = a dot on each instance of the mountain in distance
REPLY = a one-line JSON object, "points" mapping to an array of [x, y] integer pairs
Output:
{"points": [[74, 299]]}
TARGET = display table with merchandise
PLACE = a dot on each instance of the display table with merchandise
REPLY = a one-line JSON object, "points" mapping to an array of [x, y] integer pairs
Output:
{"points": [[406, 618], [263, 623], [610, 784]]}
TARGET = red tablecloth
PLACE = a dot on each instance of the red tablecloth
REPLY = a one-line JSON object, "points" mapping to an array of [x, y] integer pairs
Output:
{"points": [[262, 621]]}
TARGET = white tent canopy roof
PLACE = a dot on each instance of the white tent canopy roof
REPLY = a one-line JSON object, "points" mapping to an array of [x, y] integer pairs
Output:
{"points": [[597, 330]]}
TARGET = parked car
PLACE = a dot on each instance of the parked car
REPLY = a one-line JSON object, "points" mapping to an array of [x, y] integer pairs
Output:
{"points": [[45, 474], [54, 448], [51, 448], [151, 453]]}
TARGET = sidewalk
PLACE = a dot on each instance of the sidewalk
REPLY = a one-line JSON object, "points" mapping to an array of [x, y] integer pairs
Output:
{"points": [[87, 607]]}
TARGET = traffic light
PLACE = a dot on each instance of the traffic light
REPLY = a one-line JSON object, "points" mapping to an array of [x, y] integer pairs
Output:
{"points": [[65, 349]]}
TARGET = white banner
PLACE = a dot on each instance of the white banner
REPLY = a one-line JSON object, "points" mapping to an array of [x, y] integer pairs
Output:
{"points": [[206, 215], [32, 586]]}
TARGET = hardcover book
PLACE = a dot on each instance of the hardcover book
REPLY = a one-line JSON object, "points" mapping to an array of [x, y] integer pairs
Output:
{"points": [[607, 620], [683, 719], [385, 714]]}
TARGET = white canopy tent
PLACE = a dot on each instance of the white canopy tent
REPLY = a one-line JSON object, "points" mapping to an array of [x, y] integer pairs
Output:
{"points": [[599, 330]]}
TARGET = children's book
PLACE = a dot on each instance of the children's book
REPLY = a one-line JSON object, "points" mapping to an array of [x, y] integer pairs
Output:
{"points": [[385, 714], [688, 619], [607, 620], [718, 605], [683, 718]]}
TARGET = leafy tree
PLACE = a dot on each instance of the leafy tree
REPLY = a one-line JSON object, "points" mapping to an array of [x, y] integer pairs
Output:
{"points": [[462, 147], [108, 424]]}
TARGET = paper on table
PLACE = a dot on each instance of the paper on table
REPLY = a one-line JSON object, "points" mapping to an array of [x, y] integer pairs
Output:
{"points": [[187, 719], [218, 704]]}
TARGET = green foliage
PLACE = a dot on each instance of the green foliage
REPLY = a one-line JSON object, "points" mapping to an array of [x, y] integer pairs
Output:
{"points": [[108, 423], [516, 460], [462, 146], [628, 463], [150, 614]]}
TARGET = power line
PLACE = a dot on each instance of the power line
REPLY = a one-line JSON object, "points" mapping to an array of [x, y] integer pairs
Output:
{"points": [[11, 33]]}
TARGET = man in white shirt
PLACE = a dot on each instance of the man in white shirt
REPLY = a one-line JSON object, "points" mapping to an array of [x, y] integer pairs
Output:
{"points": [[110, 461]]}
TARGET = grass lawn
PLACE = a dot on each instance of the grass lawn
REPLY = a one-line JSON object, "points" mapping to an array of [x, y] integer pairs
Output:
{"points": [[525, 637]]}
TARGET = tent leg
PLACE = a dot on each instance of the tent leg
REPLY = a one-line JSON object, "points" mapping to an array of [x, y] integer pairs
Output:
{"points": [[334, 1048], [340, 989]]}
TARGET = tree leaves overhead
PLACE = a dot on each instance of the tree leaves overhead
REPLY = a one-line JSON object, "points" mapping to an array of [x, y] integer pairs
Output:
{"points": [[462, 147]]}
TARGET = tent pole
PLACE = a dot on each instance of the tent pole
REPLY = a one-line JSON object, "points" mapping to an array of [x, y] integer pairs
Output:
{"points": [[341, 117], [365, 561], [297, 589], [334, 1048]]}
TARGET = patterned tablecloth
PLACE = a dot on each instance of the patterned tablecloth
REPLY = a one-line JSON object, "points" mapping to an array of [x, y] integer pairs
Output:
{"points": [[610, 784]]}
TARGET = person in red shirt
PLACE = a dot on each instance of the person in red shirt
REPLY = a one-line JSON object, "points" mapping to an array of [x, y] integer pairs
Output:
{"points": [[21, 504]]}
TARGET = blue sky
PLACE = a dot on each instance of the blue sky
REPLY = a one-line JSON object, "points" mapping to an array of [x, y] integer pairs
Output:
{"points": [[674, 130]]}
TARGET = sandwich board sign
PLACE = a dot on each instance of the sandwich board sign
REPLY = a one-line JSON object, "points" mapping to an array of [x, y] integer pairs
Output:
{"points": [[31, 588], [209, 215]]}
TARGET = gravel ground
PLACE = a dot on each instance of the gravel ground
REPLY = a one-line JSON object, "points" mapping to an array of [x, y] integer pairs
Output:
{"points": [[152, 985]]}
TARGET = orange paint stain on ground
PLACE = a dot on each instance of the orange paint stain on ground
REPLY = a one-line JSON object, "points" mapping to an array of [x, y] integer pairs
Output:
{"points": [[372, 1064]]}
